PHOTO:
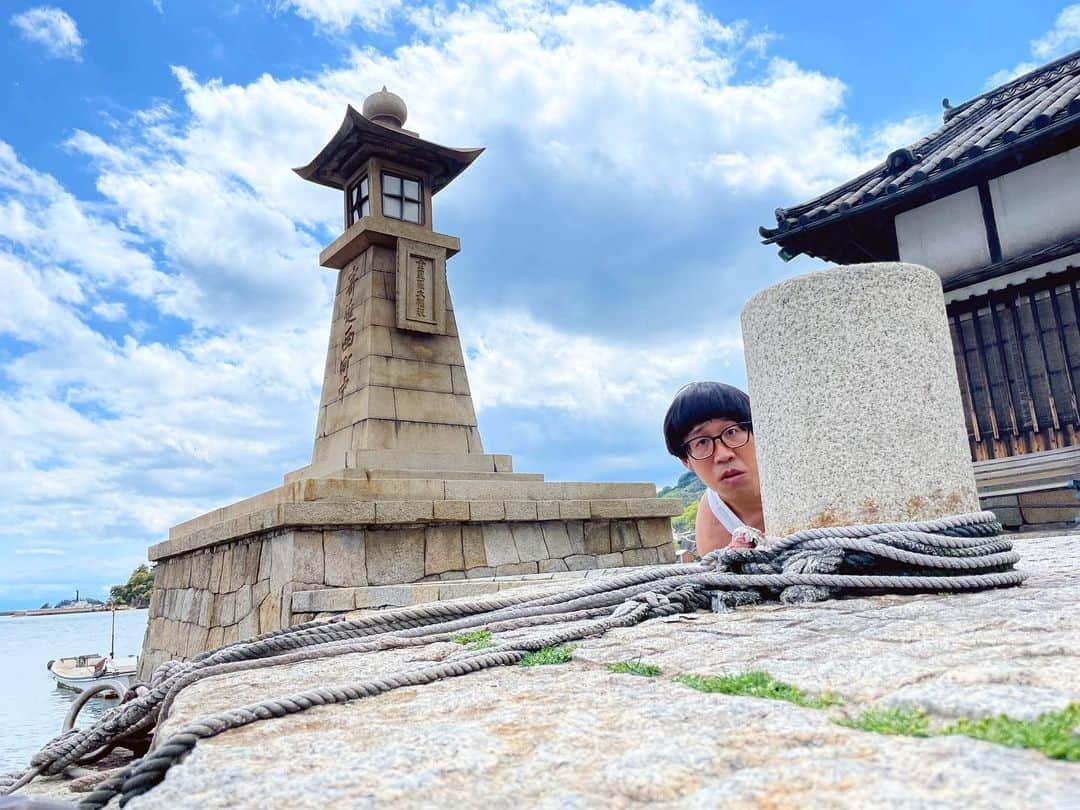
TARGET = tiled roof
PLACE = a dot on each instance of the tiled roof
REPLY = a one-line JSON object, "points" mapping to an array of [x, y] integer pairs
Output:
{"points": [[1037, 103]]}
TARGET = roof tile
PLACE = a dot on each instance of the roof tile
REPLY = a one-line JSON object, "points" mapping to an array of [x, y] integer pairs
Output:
{"points": [[985, 125]]}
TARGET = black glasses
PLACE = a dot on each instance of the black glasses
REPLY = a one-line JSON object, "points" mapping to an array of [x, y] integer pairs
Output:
{"points": [[700, 448]]}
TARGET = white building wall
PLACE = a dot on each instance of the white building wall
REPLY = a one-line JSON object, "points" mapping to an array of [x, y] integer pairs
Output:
{"points": [[946, 235], [1038, 205]]}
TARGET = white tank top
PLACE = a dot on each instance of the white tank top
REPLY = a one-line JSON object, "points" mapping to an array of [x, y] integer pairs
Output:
{"points": [[728, 519]]}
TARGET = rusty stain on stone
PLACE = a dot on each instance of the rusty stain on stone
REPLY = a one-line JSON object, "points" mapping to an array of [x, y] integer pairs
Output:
{"points": [[929, 506]]}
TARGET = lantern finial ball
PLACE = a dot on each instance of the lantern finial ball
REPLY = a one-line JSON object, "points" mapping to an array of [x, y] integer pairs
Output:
{"points": [[385, 108]]}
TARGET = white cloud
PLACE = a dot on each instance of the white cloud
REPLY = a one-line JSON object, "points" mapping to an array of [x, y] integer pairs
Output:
{"points": [[46, 222], [110, 310], [339, 15], [597, 92], [238, 258], [516, 361], [897, 134], [638, 103], [607, 92], [107, 440], [1062, 38], [51, 28]]}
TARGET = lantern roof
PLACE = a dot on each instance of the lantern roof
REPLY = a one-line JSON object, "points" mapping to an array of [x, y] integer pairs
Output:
{"points": [[359, 139]]}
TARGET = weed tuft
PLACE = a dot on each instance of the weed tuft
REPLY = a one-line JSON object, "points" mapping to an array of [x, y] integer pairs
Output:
{"points": [[905, 722], [757, 684], [476, 640], [1052, 733], [547, 655], [635, 668]]}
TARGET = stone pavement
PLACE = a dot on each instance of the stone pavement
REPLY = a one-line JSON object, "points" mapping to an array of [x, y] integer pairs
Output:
{"points": [[577, 735]]}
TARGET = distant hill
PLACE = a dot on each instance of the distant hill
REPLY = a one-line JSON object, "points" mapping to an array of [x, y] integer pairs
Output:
{"points": [[688, 489]]}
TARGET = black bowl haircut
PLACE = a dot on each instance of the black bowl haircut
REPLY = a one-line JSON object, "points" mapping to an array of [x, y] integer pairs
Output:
{"points": [[699, 402]]}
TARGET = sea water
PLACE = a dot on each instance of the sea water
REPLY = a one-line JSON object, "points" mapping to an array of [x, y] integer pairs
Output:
{"points": [[32, 706]]}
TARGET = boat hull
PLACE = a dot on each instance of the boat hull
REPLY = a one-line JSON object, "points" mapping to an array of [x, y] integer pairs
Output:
{"points": [[84, 671]]}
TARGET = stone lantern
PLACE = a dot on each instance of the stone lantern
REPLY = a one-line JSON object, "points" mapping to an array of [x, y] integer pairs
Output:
{"points": [[400, 504], [395, 378]]}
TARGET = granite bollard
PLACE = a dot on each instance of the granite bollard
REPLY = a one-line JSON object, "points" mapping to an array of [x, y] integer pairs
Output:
{"points": [[857, 410]]}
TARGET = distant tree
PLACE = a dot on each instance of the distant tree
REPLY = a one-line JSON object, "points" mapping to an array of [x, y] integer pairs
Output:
{"points": [[46, 606], [685, 521], [136, 591]]}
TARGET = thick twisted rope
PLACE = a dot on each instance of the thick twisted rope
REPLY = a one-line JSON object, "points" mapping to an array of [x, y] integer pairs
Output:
{"points": [[957, 553]]}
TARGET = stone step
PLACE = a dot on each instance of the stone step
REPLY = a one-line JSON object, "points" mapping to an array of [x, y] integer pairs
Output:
{"points": [[358, 513], [467, 489], [445, 475], [495, 492], [409, 460], [1022, 485]]}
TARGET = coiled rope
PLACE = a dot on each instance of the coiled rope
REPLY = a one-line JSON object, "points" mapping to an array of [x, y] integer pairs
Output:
{"points": [[957, 553]]}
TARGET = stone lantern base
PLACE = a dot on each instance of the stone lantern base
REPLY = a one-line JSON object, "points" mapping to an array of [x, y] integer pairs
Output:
{"points": [[374, 538]]}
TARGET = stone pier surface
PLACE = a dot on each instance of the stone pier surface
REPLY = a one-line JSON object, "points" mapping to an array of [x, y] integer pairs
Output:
{"points": [[580, 735], [857, 409]]}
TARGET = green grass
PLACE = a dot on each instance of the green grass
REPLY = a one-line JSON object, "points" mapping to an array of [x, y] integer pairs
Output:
{"points": [[476, 640], [1050, 733], [635, 668], [547, 655], [757, 684], [905, 722]]}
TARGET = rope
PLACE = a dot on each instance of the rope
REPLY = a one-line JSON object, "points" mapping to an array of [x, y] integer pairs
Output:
{"points": [[957, 553]]}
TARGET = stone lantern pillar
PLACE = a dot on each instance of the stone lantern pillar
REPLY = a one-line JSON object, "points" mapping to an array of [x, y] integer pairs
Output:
{"points": [[395, 392]]}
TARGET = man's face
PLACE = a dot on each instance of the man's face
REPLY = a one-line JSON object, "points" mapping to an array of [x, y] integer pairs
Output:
{"points": [[730, 473]]}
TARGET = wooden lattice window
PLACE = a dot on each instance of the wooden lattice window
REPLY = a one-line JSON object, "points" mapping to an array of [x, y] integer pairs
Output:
{"points": [[1017, 354]]}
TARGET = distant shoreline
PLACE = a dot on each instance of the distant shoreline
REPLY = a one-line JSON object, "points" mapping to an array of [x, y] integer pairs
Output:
{"points": [[64, 611]]}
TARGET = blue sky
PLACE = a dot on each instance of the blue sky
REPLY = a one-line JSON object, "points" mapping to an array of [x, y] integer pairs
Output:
{"points": [[163, 320]]}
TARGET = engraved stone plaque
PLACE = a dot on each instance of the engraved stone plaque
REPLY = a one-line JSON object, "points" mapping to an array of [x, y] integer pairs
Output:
{"points": [[421, 287]]}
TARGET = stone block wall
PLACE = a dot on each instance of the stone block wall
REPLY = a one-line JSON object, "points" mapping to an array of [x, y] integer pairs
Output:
{"points": [[222, 593], [327, 602], [1031, 511]]}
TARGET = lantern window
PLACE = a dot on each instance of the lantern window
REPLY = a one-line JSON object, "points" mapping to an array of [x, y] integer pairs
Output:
{"points": [[359, 202], [401, 198]]}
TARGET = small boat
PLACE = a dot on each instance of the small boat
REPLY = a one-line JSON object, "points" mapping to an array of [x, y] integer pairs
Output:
{"points": [[103, 674], [83, 671]]}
